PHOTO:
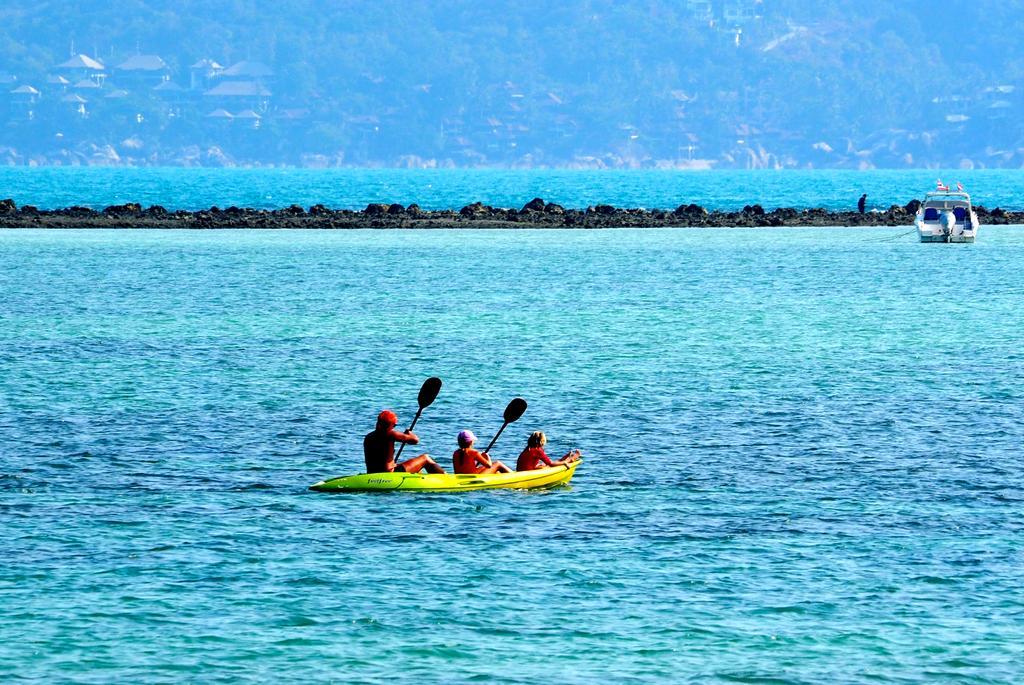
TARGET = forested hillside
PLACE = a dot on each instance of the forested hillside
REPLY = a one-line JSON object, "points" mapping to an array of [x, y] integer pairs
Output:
{"points": [[743, 83]]}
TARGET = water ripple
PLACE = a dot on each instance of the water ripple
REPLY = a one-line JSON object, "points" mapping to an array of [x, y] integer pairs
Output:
{"points": [[792, 474]]}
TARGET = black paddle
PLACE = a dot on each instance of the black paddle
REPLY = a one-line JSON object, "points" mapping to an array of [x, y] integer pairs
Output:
{"points": [[428, 393], [513, 411]]}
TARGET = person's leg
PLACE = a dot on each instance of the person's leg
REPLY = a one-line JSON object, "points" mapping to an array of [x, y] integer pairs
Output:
{"points": [[497, 467], [416, 464], [432, 466]]}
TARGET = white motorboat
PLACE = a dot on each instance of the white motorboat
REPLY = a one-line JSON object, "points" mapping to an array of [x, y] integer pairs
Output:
{"points": [[946, 216]]}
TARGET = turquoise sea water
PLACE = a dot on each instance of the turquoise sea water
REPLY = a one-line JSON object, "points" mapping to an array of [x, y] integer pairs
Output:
{"points": [[803, 456], [183, 188]]}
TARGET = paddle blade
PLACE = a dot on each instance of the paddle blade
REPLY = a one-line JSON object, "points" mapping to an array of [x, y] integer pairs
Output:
{"points": [[515, 409], [428, 393]]}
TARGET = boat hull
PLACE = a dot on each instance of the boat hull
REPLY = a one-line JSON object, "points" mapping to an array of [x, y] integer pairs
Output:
{"points": [[449, 482], [928, 237]]}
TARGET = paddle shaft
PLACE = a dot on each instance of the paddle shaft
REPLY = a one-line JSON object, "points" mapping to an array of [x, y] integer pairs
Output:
{"points": [[409, 429], [428, 393], [503, 426], [513, 412]]}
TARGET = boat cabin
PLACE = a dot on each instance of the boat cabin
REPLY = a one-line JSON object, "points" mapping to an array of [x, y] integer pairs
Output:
{"points": [[935, 203]]}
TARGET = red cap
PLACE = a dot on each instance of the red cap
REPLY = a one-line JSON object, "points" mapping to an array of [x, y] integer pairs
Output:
{"points": [[387, 417]]}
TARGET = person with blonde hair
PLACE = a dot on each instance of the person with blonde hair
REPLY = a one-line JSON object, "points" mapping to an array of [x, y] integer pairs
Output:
{"points": [[534, 457]]}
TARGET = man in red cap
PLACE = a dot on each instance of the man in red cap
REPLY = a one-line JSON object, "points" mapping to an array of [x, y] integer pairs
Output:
{"points": [[379, 448]]}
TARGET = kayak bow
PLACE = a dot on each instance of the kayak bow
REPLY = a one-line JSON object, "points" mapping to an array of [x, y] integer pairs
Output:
{"points": [[449, 482]]}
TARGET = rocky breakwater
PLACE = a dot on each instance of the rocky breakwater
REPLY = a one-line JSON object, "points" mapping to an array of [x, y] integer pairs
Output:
{"points": [[535, 214]]}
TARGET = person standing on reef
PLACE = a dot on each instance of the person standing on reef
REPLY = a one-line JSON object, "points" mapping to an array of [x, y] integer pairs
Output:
{"points": [[862, 202], [379, 448]]}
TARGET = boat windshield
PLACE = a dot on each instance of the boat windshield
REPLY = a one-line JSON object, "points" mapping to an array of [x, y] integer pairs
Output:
{"points": [[945, 203], [958, 199]]}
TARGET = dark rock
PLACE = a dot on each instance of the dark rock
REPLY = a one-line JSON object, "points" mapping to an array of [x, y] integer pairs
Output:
{"points": [[912, 207], [691, 210], [534, 205], [785, 213], [475, 209], [998, 213], [537, 213], [129, 208]]}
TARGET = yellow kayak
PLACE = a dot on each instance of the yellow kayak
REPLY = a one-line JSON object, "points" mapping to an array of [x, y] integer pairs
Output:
{"points": [[449, 482]]}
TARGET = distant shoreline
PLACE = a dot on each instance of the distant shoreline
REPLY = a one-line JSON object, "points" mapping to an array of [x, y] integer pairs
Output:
{"points": [[535, 214]]}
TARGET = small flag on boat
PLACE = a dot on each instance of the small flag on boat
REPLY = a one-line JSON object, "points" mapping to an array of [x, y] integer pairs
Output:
{"points": [[939, 186], [959, 186]]}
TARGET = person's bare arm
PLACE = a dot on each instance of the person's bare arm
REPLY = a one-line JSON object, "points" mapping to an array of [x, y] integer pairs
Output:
{"points": [[409, 438], [570, 457]]}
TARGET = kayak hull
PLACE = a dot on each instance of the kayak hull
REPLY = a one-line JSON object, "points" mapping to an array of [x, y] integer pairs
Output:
{"points": [[449, 482]]}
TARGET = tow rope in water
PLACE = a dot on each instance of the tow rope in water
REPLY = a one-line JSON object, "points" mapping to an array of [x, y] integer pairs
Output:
{"points": [[891, 237]]}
